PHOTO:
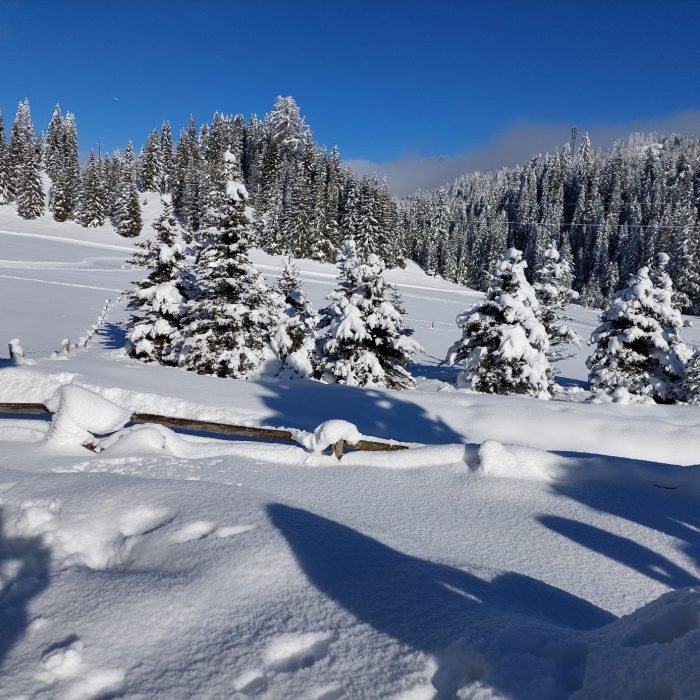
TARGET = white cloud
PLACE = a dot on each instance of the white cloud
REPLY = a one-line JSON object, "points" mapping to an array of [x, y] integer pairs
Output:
{"points": [[515, 145]]}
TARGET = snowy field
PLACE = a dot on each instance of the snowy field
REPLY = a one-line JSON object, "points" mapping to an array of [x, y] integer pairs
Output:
{"points": [[522, 549]]}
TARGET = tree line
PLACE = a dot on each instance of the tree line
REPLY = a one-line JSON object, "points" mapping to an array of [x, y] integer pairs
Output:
{"points": [[306, 202], [610, 213]]}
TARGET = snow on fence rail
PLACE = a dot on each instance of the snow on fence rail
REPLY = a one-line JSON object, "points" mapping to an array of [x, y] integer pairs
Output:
{"points": [[279, 434]]}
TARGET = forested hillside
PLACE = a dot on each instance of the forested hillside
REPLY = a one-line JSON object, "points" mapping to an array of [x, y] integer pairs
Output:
{"points": [[305, 202], [609, 212]]}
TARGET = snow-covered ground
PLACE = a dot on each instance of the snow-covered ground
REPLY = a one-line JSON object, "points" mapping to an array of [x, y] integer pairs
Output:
{"points": [[528, 549]]}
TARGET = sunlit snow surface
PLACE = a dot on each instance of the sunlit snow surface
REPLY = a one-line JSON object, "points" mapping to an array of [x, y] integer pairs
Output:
{"points": [[509, 557]]}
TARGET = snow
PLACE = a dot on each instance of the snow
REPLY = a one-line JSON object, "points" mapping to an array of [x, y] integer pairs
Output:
{"points": [[79, 414], [521, 548], [327, 434]]}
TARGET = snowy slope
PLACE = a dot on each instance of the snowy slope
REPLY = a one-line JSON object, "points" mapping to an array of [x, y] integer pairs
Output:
{"points": [[515, 563]]}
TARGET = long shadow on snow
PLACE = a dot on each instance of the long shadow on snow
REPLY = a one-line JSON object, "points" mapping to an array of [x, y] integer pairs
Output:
{"points": [[111, 336], [668, 511], [306, 404], [424, 605], [435, 371], [621, 549], [26, 562]]}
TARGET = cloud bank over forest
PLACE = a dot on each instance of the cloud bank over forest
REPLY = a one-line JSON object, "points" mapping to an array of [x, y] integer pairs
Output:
{"points": [[515, 145]]}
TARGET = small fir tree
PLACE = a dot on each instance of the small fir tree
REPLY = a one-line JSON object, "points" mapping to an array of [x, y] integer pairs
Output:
{"points": [[159, 300], [366, 342], [504, 345], [294, 340], [553, 291], [639, 355]]}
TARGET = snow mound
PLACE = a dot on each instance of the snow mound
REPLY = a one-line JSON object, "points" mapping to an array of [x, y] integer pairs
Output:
{"points": [[648, 654], [495, 459], [143, 439], [651, 653], [79, 414], [97, 542], [328, 434]]}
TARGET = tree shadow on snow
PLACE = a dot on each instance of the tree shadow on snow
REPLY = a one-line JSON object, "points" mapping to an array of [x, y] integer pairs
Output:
{"points": [[628, 552], [111, 336], [668, 511], [306, 404], [435, 371], [428, 606], [24, 563]]}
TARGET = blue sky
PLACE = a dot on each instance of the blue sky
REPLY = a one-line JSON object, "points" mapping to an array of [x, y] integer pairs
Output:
{"points": [[383, 79]]}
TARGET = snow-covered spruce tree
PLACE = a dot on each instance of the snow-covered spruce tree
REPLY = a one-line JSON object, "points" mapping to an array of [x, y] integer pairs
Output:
{"points": [[553, 291], [686, 260], [128, 210], [504, 345], [53, 155], [65, 183], [159, 300], [691, 388], [30, 191], [92, 205], [22, 144], [639, 355], [230, 323], [6, 195], [150, 167], [294, 340], [366, 342]]}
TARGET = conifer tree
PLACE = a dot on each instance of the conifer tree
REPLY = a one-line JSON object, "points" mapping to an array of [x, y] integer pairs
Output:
{"points": [[686, 258], [128, 210], [504, 346], [166, 157], [130, 162], [6, 195], [92, 204], [366, 342], [30, 191], [150, 166], [286, 127], [22, 146], [231, 322], [159, 300], [639, 354], [55, 139], [294, 340], [65, 182], [691, 387], [553, 291]]}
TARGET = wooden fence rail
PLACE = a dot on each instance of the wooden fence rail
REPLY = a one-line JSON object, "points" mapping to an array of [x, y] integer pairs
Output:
{"points": [[220, 428]]}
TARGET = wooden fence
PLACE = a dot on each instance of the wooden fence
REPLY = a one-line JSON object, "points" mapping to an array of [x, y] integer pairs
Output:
{"points": [[277, 434]]}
